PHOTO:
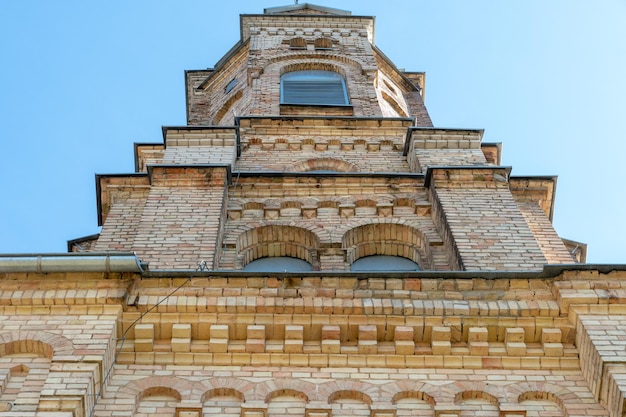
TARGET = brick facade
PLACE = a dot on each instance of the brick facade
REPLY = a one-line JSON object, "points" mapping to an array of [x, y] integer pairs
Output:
{"points": [[159, 315]]}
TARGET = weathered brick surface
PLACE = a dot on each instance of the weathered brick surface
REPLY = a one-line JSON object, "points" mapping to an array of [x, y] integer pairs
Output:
{"points": [[338, 391], [482, 221], [444, 147], [602, 339], [378, 331], [485, 330], [208, 101], [54, 362], [375, 87], [550, 243], [119, 231]]}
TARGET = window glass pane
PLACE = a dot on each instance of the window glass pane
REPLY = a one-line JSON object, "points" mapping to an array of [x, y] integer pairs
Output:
{"points": [[278, 264], [230, 85], [384, 263], [313, 87]]}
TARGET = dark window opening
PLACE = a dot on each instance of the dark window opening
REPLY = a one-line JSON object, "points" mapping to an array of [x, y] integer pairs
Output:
{"points": [[278, 264], [229, 87], [384, 263], [313, 87]]}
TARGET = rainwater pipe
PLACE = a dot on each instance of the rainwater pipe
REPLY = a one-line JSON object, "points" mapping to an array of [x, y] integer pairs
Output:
{"points": [[71, 262]]}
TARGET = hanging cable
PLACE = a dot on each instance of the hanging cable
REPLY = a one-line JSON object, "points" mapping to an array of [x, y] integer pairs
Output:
{"points": [[202, 266]]}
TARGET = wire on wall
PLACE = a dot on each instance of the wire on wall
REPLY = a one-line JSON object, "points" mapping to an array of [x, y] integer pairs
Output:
{"points": [[202, 266]]}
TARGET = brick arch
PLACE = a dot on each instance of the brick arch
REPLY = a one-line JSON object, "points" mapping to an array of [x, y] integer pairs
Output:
{"points": [[317, 229], [179, 388], [411, 389], [454, 392], [44, 344], [227, 106], [561, 396], [314, 57], [152, 391], [229, 385], [278, 240], [287, 392], [331, 164], [222, 392], [542, 396], [417, 395], [393, 103], [349, 395], [313, 65], [286, 387], [476, 395], [386, 238], [358, 390], [413, 402]]}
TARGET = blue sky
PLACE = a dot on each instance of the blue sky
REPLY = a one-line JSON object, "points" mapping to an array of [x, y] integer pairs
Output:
{"points": [[81, 81]]}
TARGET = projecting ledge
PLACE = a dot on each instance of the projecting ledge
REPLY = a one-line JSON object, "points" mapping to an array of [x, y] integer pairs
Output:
{"points": [[468, 175], [189, 175]]}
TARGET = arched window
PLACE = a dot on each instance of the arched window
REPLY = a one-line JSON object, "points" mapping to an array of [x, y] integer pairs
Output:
{"points": [[277, 248], [386, 263], [398, 242], [278, 264], [313, 87]]}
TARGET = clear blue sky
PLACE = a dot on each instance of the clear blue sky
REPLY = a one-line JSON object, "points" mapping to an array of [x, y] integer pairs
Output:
{"points": [[81, 81]]}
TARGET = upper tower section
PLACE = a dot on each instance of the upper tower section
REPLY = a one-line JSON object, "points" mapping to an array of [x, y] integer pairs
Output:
{"points": [[304, 60]]}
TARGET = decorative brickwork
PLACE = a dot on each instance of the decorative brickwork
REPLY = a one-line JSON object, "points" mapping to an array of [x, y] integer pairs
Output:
{"points": [[160, 314]]}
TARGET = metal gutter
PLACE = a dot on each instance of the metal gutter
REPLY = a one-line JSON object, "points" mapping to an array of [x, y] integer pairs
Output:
{"points": [[71, 262], [356, 118], [548, 272], [307, 174]]}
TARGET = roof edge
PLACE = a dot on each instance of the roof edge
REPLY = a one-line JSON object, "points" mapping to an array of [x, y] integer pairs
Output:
{"points": [[303, 6], [71, 262]]}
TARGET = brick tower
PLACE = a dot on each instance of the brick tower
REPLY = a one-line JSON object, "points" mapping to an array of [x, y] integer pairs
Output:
{"points": [[309, 244]]}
